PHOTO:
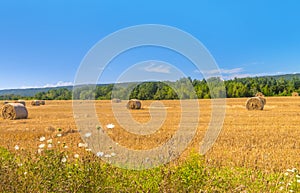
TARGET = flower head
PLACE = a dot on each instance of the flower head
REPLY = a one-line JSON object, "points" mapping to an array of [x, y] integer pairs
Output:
{"points": [[42, 146], [42, 138], [17, 147], [110, 126]]}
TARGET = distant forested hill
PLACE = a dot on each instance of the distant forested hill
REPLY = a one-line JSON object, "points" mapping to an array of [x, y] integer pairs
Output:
{"points": [[280, 85], [29, 92]]}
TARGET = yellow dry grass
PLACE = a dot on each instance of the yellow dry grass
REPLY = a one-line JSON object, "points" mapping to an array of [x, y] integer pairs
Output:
{"points": [[268, 139]]}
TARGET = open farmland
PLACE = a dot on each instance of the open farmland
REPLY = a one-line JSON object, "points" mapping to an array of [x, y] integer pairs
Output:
{"points": [[268, 139]]}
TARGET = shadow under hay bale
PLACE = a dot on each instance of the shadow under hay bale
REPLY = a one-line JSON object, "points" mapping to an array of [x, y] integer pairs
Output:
{"points": [[295, 94], [35, 103], [5, 102], [14, 111], [116, 100], [134, 104], [255, 103]]}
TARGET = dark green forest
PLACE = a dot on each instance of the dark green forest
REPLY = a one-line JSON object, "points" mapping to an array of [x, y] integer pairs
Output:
{"points": [[184, 88]]}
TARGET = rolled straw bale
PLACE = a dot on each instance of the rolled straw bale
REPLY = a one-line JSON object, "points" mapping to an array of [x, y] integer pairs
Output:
{"points": [[134, 104], [35, 103], [255, 103], [14, 111], [21, 102], [42, 102], [295, 94], [114, 100]]}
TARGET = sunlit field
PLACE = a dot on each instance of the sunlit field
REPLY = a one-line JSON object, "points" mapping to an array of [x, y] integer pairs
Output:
{"points": [[256, 151]]}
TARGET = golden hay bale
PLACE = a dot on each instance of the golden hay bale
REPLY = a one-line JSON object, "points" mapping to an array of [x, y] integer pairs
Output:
{"points": [[295, 94], [14, 111], [35, 103], [21, 102], [255, 103], [114, 100], [42, 102], [134, 104]]}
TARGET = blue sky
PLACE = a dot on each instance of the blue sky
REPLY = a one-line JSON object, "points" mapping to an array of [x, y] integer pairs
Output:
{"points": [[42, 43]]}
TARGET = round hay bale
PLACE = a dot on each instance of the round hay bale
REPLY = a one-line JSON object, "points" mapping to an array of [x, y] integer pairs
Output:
{"points": [[5, 102], [42, 102], [35, 103], [134, 104], [21, 102], [295, 94], [14, 111], [259, 94], [116, 100], [255, 103]]}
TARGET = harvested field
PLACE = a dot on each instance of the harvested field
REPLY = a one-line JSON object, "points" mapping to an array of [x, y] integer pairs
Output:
{"points": [[268, 139]]}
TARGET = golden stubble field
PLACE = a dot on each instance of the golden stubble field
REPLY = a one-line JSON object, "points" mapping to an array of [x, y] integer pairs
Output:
{"points": [[268, 139]]}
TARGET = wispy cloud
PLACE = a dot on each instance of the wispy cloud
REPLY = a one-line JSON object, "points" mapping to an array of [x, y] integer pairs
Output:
{"points": [[58, 84], [222, 71], [159, 68]]}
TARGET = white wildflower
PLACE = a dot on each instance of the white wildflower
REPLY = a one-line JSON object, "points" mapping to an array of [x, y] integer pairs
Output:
{"points": [[298, 181], [42, 138], [82, 145], [100, 154], [88, 135], [64, 159], [286, 173], [113, 154], [297, 176], [65, 146], [281, 188], [25, 173], [88, 149], [50, 145], [59, 135], [107, 156], [17, 147], [42, 146], [49, 141], [76, 156], [110, 126]]}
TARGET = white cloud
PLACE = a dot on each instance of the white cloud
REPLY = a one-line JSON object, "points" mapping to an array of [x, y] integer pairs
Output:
{"points": [[159, 68], [58, 84], [222, 71]]}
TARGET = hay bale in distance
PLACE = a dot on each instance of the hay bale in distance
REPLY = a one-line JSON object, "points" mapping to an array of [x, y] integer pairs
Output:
{"points": [[42, 102], [35, 103], [14, 111], [115, 100], [134, 104], [295, 94], [255, 103]]}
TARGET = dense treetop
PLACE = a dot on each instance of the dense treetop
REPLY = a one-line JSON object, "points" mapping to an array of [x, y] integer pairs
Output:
{"points": [[183, 88]]}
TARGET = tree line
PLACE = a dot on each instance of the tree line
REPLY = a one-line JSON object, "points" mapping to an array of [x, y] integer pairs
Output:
{"points": [[184, 88]]}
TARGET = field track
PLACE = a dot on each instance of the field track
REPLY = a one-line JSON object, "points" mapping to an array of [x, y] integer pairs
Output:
{"points": [[268, 139]]}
